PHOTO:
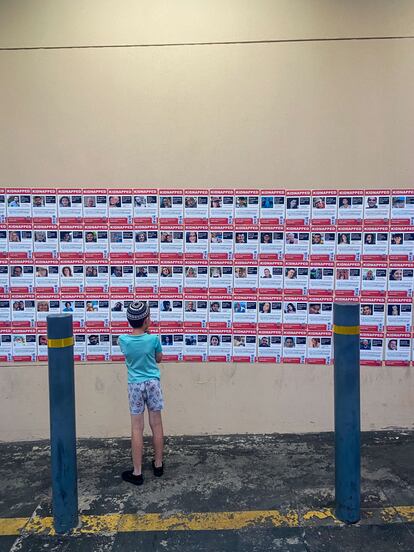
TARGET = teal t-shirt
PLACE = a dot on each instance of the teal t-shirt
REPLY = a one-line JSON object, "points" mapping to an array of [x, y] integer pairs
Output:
{"points": [[139, 352]]}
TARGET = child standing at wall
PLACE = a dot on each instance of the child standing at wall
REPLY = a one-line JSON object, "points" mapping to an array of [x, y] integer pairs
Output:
{"points": [[142, 352]]}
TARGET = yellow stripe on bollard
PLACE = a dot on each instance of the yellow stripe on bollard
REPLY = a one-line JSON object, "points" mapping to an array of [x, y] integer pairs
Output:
{"points": [[346, 330], [60, 343]]}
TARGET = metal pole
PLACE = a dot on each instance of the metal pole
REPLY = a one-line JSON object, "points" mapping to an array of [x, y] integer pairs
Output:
{"points": [[347, 412], [62, 422]]}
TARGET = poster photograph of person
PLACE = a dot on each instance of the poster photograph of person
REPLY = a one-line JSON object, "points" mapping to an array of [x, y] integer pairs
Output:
{"points": [[294, 348], [171, 278], [298, 207], [196, 242], [321, 279], [172, 341], [372, 315], [246, 207], [196, 207], [272, 207], [220, 278], [44, 207], [244, 346], [402, 207], [121, 243], [246, 246], [320, 314], [319, 348], [45, 305], [295, 314], [118, 308], [120, 206], [374, 280], [96, 243], [401, 244], [350, 207], [220, 314], [148, 243], [171, 207], [349, 245], [19, 205], [322, 244], [399, 316], [245, 278], [195, 347], [375, 244], [70, 207], [371, 348], [98, 345], [221, 244], [20, 242], [324, 207], [195, 313], [23, 311], [377, 207], [21, 277], [296, 279], [220, 346], [145, 206], [45, 243], [146, 278], [24, 346], [121, 278], [398, 349], [400, 280], [171, 244], [221, 207], [270, 311], [95, 206], [348, 280], [269, 347], [71, 243]]}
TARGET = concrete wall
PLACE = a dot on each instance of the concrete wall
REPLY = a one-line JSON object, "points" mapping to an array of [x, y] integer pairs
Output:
{"points": [[301, 113]]}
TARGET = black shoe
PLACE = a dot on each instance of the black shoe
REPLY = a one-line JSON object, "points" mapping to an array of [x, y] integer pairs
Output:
{"points": [[129, 477], [158, 472]]}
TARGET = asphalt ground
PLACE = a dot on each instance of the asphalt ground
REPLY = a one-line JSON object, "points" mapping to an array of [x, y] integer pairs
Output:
{"points": [[222, 493]]}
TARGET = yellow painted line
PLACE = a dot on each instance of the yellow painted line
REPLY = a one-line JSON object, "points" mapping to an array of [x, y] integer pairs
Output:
{"points": [[10, 527], [108, 523], [40, 525], [388, 515], [60, 343], [406, 512], [346, 330], [209, 521], [200, 521], [325, 513]]}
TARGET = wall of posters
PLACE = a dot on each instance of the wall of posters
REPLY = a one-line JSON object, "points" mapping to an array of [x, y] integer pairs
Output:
{"points": [[231, 275]]}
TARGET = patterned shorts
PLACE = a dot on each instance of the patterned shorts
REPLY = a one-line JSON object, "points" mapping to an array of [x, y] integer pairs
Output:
{"points": [[146, 393]]}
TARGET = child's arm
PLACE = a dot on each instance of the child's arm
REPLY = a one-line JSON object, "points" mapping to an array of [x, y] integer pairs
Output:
{"points": [[158, 350]]}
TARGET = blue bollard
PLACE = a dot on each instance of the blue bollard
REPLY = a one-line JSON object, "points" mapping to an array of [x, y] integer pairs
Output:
{"points": [[62, 422], [347, 412]]}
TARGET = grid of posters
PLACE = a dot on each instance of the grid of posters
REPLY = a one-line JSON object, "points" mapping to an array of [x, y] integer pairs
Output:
{"points": [[242, 275]]}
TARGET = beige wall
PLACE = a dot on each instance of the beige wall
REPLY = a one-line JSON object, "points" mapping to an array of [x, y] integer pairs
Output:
{"points": [[207, 398], [335, 113]]}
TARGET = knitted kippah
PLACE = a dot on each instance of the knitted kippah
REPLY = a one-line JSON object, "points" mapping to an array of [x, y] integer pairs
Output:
{"points": [[138, 310]]}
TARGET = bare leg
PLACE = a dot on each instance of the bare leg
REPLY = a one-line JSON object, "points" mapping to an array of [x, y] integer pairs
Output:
{"points": [[137, 430], [155, 422]]}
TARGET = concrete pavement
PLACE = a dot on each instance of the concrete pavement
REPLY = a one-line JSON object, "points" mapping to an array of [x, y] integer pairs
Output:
{"points": [[235, 493]]}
